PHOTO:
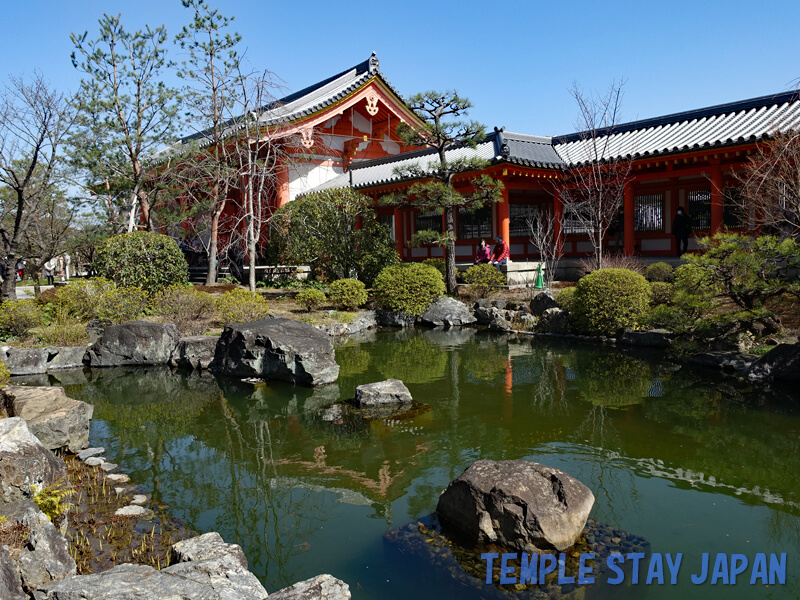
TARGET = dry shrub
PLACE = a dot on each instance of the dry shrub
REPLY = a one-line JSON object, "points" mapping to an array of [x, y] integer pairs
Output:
{"points": [[612, 261], [188, 309]]}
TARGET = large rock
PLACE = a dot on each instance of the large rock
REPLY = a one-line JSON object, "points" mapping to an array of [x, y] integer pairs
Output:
{"points": [[207, 569], [58, 421], [518, 504], [45, 556], [381, 393], [134, 343], [447, 312], [652, 338], [195, 351], [553, 320], [394, 318], [27, 361], [25, 464], [10, 583], [321, 587], [541, 302], [276, 349], [782, 363]]}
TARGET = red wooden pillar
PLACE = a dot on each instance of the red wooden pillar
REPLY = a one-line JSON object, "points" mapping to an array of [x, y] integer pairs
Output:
{"points": [[398, 232], [630, 239], [716, 199], [503, 222], [283, 185], [558, 220]]}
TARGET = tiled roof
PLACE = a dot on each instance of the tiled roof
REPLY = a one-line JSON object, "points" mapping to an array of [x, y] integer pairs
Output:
{"points": [[316, 97], [706, 128], [498, 146]]}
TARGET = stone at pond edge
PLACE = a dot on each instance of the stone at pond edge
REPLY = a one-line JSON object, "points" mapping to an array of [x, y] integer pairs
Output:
{"points": [[321, 587], [24, 461], [782, 363], [541, 302], [45, 557], [90, 452], [391, 391], [447, 312], [209, 545], [133, 510], [58, 421], [553, 320], [10, 584], [652, 338], [276, 349], [363, 321], [518, 504], [394, 318], [217, 574], [195, 352], [134, 343]]}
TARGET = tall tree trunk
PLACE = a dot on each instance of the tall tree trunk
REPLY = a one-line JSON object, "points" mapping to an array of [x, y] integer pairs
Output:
{"points": [[450, 258], [8, 289], [251, 239], [211, 276]]}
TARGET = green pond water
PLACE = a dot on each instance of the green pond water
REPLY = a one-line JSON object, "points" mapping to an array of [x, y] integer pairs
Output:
{"points": [[689, 460]]}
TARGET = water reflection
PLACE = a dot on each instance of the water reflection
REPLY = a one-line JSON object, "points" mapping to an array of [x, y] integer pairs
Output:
{"points": [[305, 495]]}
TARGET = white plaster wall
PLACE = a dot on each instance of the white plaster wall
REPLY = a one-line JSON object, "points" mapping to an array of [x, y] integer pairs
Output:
{"points": [[305, 176], [361, 123]]}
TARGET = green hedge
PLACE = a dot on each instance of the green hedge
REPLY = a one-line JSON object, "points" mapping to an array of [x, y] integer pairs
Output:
{"points": [[608, 300], [310, 299], [484, 279], [142, 259], [408, 287]]}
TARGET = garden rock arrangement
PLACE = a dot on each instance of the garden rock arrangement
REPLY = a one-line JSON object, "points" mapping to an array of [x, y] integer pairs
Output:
{"points": [[782, 363], [25, 464], [32, 361], [516, 504], [382, 393], [447, 312], [195, 352], [363, 321], [38, 564], [57, 421], [44, 557], [134, 343], [276, 349]]}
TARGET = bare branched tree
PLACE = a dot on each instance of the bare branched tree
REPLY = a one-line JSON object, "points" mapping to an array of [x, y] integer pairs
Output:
{"points": [[258, 154], [549, 242], [34, 120], [596, 185], [771, 184]]}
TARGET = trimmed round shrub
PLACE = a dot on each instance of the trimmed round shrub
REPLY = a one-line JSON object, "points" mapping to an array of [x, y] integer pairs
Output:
{"points": [[484, 279], [661, 292], [122, 304], [663, 316], [408, 287], [80, 297], [241, 306], [310, 299], [659, 271], [438, 263], [18, 317], [608, 300], [566, 298], [187, 308], [347, 294], [142, 259]]}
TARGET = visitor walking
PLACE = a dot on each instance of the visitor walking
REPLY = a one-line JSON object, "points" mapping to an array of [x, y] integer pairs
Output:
{"points": [[500, 253], [681, 229], [20, 270], [484, 254]]}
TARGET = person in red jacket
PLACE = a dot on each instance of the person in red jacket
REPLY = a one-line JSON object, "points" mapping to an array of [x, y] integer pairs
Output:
{"points": [[500, 253]]}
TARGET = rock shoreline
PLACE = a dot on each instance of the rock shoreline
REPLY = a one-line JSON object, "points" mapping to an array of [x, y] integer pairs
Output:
{"points": [[37, 564]]}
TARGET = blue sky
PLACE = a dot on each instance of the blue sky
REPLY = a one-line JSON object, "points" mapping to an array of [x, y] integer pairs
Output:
{"points": [[515, 60]]}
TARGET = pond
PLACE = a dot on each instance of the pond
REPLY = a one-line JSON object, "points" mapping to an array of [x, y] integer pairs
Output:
{"points": [[690, 461]]}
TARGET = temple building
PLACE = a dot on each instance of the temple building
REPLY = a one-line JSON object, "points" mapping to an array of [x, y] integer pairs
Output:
{"points": [[343, 131]]}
